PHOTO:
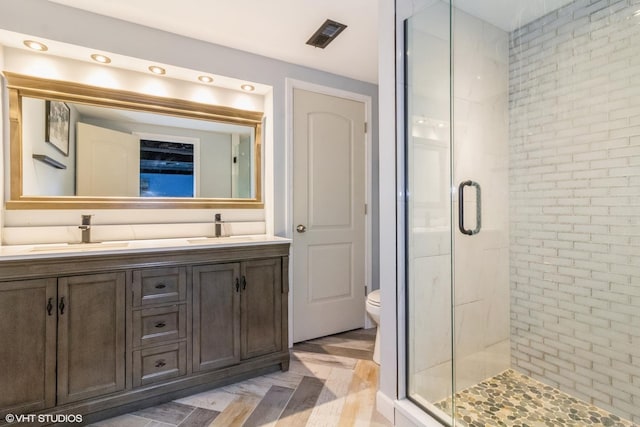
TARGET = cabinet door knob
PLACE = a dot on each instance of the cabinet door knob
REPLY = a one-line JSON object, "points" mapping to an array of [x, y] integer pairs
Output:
{"points": [[161, 286], [244, 283], [50, 306], [237, 285], [160, 325], [160, 363]]}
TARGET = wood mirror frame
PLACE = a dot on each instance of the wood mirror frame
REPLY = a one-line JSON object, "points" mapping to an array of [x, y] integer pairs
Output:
{"points": [[26, 86]]}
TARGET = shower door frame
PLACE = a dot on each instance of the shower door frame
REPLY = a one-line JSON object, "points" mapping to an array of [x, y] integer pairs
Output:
{"points": [[410, 386], [404, 139], [391, 399]]}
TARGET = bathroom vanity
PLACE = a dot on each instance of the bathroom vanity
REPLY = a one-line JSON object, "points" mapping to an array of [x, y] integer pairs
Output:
{"points": [[102, 329], [98, 329]]}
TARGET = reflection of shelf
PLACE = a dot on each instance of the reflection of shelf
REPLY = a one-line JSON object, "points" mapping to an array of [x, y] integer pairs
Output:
{"points": [[48, 160]]}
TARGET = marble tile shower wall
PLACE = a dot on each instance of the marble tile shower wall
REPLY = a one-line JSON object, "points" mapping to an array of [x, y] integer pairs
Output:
{"points": [[480, 150], [481, 153], [574, 86]]}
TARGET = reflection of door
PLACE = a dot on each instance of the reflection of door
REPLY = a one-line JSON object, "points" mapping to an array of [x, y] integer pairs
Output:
{"points": [[107, 162], [241, 153], [328, 211]]}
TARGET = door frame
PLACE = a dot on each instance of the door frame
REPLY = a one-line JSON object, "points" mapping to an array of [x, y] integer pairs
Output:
{"points": [[290, 85]]}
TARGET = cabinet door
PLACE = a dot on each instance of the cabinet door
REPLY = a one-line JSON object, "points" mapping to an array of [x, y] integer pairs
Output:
{"points": [[261, 290], [91, 336], [216, 316], [27, 346]]}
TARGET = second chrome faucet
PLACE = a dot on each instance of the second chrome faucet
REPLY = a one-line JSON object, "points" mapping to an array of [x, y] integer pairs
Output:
{"points": [[86, 228], [219, 225]]}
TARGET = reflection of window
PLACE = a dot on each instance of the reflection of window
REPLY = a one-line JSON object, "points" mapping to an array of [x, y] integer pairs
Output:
{"points": [[166, 169]]}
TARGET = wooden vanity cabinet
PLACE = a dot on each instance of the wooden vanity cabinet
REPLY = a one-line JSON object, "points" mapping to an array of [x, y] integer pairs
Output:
{"points": [[216, 308], [91, 336], [159, 324], [242, 302], [28, 345], [102, 334], [76, 323], [261, 307]]}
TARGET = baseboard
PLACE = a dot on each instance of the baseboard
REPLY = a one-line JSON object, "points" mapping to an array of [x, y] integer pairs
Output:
{"points": [[385, 406], [410, 415]]}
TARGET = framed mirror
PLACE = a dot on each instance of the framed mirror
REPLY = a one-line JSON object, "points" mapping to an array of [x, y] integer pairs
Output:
{"points": [[79, 146]]}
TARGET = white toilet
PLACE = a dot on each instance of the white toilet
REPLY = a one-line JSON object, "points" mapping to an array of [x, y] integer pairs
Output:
{"points": [[373, 308]]}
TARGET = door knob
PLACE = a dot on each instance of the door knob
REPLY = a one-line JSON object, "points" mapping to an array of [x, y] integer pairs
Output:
{"points": [[301, 228]]}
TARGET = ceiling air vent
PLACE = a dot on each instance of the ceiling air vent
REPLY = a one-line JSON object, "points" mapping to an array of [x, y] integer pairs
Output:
{"points": [[326, 33]]}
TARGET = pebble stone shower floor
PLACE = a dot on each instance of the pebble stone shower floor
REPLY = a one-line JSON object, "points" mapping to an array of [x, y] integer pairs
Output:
{"points": [[516, 400]]}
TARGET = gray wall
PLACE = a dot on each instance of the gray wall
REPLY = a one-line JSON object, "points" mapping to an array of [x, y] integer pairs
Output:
{"points": [[53, 21], [574, 187]]}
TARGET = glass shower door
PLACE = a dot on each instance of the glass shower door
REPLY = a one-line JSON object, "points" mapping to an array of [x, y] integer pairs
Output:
{"points": [[428, 210], [521, 177], [457, 204], [480, 116]]}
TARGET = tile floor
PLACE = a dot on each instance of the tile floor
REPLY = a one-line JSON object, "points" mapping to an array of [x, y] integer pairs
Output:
{"points": [[331, 382], [514, 399]]}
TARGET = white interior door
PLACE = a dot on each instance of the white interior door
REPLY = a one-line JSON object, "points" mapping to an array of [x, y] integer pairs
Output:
{"points": [[328, 215], [107, 162]]}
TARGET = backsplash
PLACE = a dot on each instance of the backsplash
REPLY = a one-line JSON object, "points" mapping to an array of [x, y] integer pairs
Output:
{"points": [[35, 227]]}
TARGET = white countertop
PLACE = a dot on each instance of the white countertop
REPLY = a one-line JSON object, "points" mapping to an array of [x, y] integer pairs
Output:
{"points": [[53, 250]]}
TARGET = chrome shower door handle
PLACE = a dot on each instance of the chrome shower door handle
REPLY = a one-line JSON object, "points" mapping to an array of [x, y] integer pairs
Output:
{"points": [[301, 228], [463, 230]]}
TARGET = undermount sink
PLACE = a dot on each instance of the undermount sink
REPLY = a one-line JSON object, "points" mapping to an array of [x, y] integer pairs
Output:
{"points": [[71, 247]]}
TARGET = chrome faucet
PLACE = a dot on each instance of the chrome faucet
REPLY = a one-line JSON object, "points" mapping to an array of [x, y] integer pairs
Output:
{"points": [[86, 228], [218, 225]]}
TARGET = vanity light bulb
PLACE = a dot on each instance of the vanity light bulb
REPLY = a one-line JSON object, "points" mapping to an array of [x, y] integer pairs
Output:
{"points": [[36, 45], [205, 79], [247, 88], [101, 58], [157, 70]]}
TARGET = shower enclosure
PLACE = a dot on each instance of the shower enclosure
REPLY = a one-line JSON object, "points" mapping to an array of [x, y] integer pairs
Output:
{"points": [[522, 185]]}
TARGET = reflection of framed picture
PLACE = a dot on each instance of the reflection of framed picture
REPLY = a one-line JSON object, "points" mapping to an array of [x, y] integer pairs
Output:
{"points": [[57, 125]]}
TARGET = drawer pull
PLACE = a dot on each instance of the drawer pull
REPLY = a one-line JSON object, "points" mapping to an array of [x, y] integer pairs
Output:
{"points": [[160, 325], [160, 363], [161, 286]]}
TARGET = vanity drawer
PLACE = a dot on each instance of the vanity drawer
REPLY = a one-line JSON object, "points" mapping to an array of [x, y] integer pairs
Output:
{"points": [[159, 363], [158, 325], [159, 285]]}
